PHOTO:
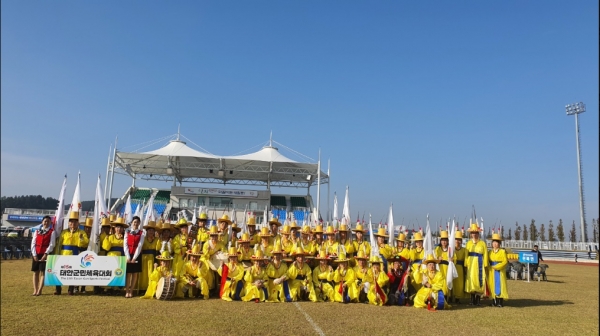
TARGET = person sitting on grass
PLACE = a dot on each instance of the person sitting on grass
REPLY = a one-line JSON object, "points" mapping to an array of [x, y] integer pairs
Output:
{"points": [[431, 294], [162, 271], [256, 279]]}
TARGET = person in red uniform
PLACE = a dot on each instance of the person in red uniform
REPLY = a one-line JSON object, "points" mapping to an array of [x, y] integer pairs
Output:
{"points": [[42, 244], [133, 242]]}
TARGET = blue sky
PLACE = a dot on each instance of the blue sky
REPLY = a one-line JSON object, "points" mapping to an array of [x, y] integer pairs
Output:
{"points": [[433, 106]]}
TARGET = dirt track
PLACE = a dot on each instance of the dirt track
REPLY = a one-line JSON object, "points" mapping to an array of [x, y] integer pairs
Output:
{"points": [[570, 263]]}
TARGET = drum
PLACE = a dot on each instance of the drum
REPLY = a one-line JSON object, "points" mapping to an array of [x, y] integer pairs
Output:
{"points": [[215, 260], [165, 289]]}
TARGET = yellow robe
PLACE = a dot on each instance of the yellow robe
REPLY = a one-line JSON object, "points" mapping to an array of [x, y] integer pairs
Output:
{"points": [[362, 276], [350, 251], [310, 248], [382, 280], [298, 278], [416, 258], [158, 273], [443, 264], [101, 251], [277, 292], [254, 239], [458, 284], [323, 287], [208, 250], [114, 246], [436, 292], [253, 292], [245, 254], [349, 279], [72, 243], [497, 274], [233, 289], [362, 246], [287, 246], [331, 248], [196, 273], [476, 262], [202, 236], [149, 251], [179, 250], [266, 250]]}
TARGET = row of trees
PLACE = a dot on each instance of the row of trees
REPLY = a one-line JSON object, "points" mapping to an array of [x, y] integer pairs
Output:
{"points": [[532, 233], [28, 202]]}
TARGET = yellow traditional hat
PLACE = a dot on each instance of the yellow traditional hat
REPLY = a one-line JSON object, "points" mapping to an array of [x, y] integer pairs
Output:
{"points": [[203, 216], [264, 232], [166, 256], [195, 251], [496, 236], [286, 230], [343, 227], [89, 222], [381, 232], [318, 229], [458, 235], [277, 249], [105, 221], [162, 226], [259, 255], [225, 218], [74, 215], [275, 220], [113, 217], [294, 225], [120, 221], [245, 238], [359, 228], [322, 256], [375, 260], [443, 234], [306, 230], [430, 259], [232, 252], [235, 228], [251, 220], [341, 257], [402, 237], [361, 255], [417, 236], [213, 231], [330, 230], [298, 251], [182, 222], [151, 225], [473, 228]]}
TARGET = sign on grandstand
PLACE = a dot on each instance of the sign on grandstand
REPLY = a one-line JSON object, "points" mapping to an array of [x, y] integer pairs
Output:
{"points": [[221, 192], [85, 269]]}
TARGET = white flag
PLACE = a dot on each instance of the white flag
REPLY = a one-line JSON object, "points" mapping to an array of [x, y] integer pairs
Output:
{"points": [[128, 213], [76, 203], [451, 273], [99, 212], [346, 209], [150, 212], [139, 210], [59, 215], [335, 207], [374, 246]]}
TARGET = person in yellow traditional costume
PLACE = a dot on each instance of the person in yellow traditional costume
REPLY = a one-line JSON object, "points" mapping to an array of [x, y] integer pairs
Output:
{"points": [[330, 245], [359, 242], [202, 236], [208, 250], [254, 237], [279, 289], [385, 250], [441, 253], [274, 224], [87, 228], [318, 237], [233, 287], [256, 279], [416, 258], [460, 254], [286, 243], [320, 274], [379, 282], [162, 271], [71, 242], [345, 289], [104, 233], [164, 243], [223, 223], [294, 228], [308, 245], [180, 246], [193, 276], [150, 249], [234, 232], [264, 245], [361, 273], [244, 250], [114, 244], [347, 243], [475, 262], [300, 278], [498, 261], [431, 295]]}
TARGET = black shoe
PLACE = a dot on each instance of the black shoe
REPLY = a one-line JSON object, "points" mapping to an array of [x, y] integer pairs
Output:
{"points": [[457, 301], [500, 303], [186, 295], [472, 302], [493, 304], [477, 300]]}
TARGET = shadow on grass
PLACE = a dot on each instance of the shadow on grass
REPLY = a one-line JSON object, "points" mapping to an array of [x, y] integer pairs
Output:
{"points": [[523, 303]]}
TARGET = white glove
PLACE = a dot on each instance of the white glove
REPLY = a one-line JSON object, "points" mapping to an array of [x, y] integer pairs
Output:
{"points": [[277, 281], [366, 288]]}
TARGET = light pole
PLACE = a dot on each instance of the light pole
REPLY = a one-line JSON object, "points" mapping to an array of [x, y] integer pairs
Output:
{"points": [[576, 109]]}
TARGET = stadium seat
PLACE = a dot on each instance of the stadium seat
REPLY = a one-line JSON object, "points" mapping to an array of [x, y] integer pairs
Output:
{"points": [[298, 202], [278, 201]]}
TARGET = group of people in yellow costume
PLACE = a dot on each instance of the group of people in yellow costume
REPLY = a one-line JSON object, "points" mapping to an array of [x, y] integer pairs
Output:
{"points": [[288, 263]]}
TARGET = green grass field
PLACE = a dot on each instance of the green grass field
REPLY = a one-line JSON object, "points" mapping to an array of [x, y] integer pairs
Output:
{"points": [[566, 304]]}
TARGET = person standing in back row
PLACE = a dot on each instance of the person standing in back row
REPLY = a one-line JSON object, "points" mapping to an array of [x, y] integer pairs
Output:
{"points": [[533, 267]]}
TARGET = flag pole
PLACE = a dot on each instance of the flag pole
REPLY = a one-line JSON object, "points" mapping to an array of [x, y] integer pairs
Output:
{"points": [[112, 176], [106, 176], [318, 185]]}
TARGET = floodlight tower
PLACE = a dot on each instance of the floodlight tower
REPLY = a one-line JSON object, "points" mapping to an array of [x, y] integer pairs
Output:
{"points": [[576, 109]]}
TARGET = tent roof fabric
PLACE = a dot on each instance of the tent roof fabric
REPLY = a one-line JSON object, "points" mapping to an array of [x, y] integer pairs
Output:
{"points": [[267, 166]]}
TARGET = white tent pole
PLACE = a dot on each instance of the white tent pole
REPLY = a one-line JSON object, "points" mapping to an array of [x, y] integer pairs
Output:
{"points": [[318, 185], [328, 184], [112, 175], [106, 176]]}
